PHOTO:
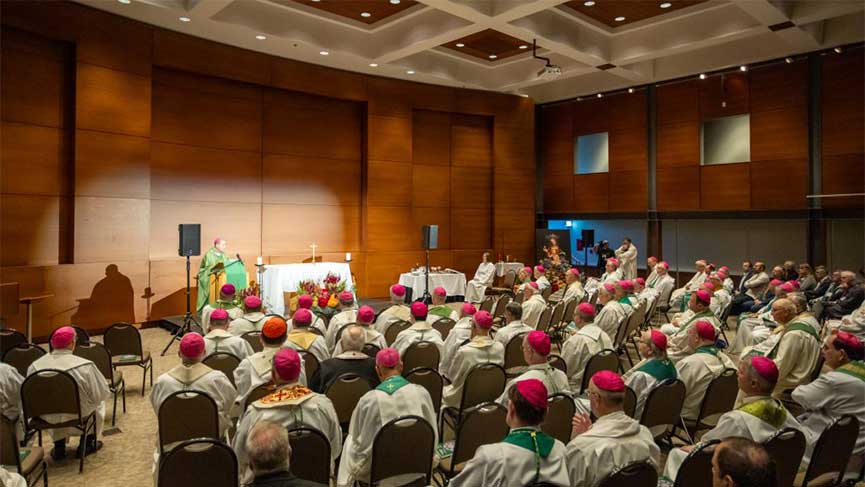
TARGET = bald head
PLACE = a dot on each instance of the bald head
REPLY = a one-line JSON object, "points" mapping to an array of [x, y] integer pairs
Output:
{"points": [[783, 310], [353, 339]]}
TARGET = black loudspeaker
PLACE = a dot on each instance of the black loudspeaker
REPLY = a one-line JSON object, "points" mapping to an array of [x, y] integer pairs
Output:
{"points": [[189, 242], [588, 237], [430, 238]]}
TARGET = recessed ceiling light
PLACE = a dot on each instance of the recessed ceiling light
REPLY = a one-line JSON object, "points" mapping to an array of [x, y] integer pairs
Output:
{"points": [[702, 76], [261, 37], [410, 71], [323, 53], [460, 44], [620, 18], [666, 5], [394, 2], [185, 19], [373, 65], [125, 2], [743, 68], [600, 95], [523, 46], [365, 14], [588, 3], [630, 90], [493, 56], [788, 60]]}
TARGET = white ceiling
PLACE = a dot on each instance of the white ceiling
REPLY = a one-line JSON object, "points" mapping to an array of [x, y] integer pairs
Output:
{"points": [[704, 37]]}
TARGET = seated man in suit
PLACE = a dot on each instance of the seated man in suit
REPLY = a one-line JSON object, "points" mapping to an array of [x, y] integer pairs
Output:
{"points": [[269, 455], [350, 360]]}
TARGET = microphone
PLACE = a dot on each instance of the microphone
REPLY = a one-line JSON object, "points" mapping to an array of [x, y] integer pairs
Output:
{"points": [[238, 258]]}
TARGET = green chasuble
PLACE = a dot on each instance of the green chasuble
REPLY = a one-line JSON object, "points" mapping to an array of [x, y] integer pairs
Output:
{"points": [[392, 384], [660, 369], [235, 273], [443, 311], [532, 440]]}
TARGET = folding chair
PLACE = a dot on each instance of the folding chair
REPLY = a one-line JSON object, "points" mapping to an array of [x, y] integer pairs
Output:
{"points": [[124, 342], [557, 422], [636, 474], [430, 380], [98, 354], [199, 461], [22, 356], [186, 415], [394, 329], [310, 454], [484, 383], [224, 362], [481, 425], [258, 392], [29, 462], [663, 406], [345, 392], [421, 354], [606, 359], [10, 339], [720, 398], [630, 405], [786, 448], [370, 350], [696, 469], [487, 304], [403, 446], [831, 454], [514, 360], [310, 363], [253, 338], [558, 362], [444, 326]]}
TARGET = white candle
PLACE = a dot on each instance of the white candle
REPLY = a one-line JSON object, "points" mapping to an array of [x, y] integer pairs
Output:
{"points": [[348, 256], [259, 260]]}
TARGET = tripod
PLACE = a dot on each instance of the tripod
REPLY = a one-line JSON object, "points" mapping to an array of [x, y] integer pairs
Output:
{"points": [[426, 298], [187, 318]]}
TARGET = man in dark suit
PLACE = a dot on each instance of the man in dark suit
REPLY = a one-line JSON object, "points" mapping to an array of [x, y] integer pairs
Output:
{"points": [[851, 295], [823, 283], [747, 272], [270, 456], [351, 361]]}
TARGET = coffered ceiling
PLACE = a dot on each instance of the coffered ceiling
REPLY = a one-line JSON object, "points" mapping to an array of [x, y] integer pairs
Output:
{"points": [[419, 40]]}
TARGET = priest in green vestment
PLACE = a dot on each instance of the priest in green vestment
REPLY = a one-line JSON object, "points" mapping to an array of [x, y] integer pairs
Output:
{"points": [[234, 269]]}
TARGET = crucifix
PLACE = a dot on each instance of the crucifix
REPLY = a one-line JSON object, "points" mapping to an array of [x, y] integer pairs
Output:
{"points": [[314, 246]]}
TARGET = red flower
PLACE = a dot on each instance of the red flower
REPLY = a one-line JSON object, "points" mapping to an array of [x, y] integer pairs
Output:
{"points": [[322, 301]]}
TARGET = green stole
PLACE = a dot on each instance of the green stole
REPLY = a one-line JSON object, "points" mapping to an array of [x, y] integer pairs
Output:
{"points": [[226, 305], [443, 311], [532, 440], [625, 300], [855, 368], [392, 384], [660, 369], [768, 410], [694, 318], [710, 349], [796, 325]]}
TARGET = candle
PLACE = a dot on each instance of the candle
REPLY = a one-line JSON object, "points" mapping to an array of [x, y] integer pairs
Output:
{"points": [[259, 260], [348, 256]]}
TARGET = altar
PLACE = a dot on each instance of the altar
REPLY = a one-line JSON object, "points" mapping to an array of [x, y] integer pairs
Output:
{"points": [[280, 278], [454, 283]]}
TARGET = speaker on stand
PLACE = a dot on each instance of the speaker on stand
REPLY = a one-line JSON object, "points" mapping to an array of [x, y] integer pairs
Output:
{"points": [[588, 237], [430, 241], [189, 244]]}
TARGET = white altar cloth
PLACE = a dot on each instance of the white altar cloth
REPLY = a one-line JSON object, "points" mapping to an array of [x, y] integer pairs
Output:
{"points": [[281, 278], [454, 284], [502, 268]]}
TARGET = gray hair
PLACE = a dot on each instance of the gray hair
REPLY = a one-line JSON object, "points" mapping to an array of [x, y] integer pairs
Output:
{"points": [[353, 339], [763, 384], [515, 310], [799, 301], [268, 448]]}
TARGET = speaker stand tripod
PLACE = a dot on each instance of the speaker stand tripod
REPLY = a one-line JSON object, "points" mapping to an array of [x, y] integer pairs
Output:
{"points": [[426, 298], [187, 318]]}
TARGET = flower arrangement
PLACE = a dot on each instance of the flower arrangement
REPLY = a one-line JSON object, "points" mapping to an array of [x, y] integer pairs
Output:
{"points": [[325, 294]]}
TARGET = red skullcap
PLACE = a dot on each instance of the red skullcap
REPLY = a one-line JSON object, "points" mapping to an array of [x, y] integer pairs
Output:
{"points": [[539, 341], [286, 363], [659, 339], [252, 302], [614, 261], [795, 284], [219, 315], [703, 297], [723, 268], [387, 357], [610, 287], [217, 240], [397, 290], [787, 287], [626, 285], [275, 327], [722, 274], [440, 292], [484, 319], [850, 340], [535, 393], [765, 367], [304, 301], [63, 337], [540, 268], [418, 309], [705, 330], [775, 282], [606, 380], [227, 289], [469, 309], [640, 281], [346, 297], [365, 314], [586, 309], [664, 264], [302, 317], [708, 286], [527, 269], [192, 345], [533, 285], [574, 271]]}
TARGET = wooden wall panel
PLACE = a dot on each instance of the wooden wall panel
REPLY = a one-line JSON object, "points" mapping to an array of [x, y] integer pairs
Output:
{"points": [[311, 126], [779, 86], [111, 229], [627, 150], [558, 194], [513, 148], [112, 165], [389, 183], [629, 191], [292, 228], [179, 51], [843, 174], [301, 180], [36, 81], [431, 186], [627, 110], [30, 229], [190, 117], [779, 134], [678, 102], [388, 97], [319, 80], [389, 139], [431, 141], [34, 159], [383, 269], [114, 101], [678, 188], [470, 228], [471, 144], [725, 187], [432, 216], [591, 116], [188, 173], [843, 125], [387, 229], [114, 42], [724, 96], [243, 234], [779, 184], [512, 187], [678, 144], [471, 187], [591, 193]]}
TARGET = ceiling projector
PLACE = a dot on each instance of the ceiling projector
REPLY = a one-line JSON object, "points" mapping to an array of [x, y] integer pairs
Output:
{"points": [[550, 71]]}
